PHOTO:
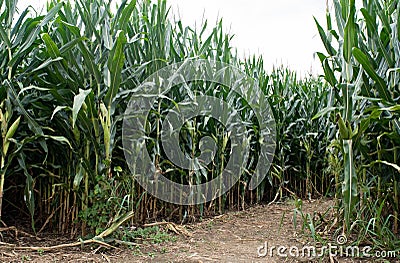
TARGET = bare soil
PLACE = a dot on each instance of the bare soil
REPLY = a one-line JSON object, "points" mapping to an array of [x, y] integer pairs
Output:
{"points": [[233, 237]]}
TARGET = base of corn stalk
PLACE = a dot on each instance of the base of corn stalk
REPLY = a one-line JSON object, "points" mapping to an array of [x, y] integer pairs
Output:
{"points": [[290, 192], [276, 196], [16, 231], [97, 239], [279, 192], [179, 230], [61, 246]]}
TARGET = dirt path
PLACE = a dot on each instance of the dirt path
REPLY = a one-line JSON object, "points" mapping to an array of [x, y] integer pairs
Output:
{"points": [[242, 236], [232, 237]]}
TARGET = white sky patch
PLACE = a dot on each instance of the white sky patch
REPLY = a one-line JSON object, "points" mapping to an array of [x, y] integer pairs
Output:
{"points": [[283, 31]]}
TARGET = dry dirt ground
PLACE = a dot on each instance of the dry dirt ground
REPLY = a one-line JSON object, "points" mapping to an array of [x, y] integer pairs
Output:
{"points": [[232, 237]]}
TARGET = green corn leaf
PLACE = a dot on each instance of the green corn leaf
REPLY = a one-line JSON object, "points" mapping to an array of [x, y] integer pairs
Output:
{"points": [[370, 22], [391, 109], [205, 45], [323, 112], [33, 125], [321, 57], [115, 64], [87, 19], [371, 25], [34, 34], [382, 13], [328, 21], [344, 6], [17, 27], [46, 63], [51, 46], [331, 51], [295, 211], [32, 87], [30, 198], [126, 15], [11, 9], [329, 75], [311, 225], [4, 37], [74, 29], [339, 18], [350, 33], [90, 61], [70, 45], [380, 83]]}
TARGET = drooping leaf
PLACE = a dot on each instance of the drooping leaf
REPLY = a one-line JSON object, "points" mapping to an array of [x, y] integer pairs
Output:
{"points": [[33, 125], [78, 102], [57, 109], [10, 133], [78, 178]]}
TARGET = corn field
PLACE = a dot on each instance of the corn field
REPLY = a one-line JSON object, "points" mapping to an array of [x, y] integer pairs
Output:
{"points": [[67, 76]]}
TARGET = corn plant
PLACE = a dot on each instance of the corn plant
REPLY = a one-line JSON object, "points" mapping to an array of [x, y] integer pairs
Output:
{"points": [[361, 65], [302, 140], [18, 40], [7, 135]]}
